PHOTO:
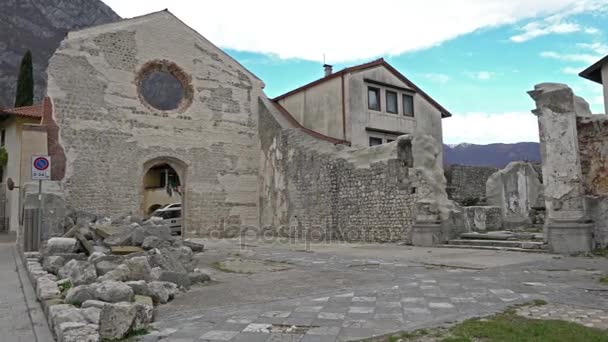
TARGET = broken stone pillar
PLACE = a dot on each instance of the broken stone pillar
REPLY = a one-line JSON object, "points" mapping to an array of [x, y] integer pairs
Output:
{"points": [[516, 189], [568, 227]]}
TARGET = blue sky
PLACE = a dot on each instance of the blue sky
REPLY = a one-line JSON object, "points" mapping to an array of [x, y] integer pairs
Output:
{"points": [[480, 69]]}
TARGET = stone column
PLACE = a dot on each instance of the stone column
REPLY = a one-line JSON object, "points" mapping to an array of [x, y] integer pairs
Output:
{"points": [[568, 227]]}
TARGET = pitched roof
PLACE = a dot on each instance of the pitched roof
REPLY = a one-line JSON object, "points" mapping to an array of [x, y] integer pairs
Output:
{"points": [[379, 62], [34, 111], [594, 72]]}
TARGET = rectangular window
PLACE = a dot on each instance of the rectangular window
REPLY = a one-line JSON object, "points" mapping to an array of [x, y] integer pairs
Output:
{"points": [[391, 102], [373, 141], [373, 98], [408, 105], [2, 137]]}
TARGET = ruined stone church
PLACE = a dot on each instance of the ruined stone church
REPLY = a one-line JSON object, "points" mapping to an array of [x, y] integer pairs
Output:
{"points": [[147, 108]]}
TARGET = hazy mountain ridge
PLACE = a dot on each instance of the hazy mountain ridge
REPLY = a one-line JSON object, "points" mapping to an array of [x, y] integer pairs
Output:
{"points": [[40, 25], [497, 155]]}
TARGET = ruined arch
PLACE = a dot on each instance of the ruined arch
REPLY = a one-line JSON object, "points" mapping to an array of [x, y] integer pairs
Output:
{"points": [[180, 169]]}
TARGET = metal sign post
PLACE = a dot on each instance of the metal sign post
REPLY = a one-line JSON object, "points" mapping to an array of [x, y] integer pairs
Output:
{"points": [[41, 170]]}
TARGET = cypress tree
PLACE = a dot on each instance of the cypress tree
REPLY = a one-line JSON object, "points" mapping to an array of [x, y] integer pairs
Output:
{"points": [[25, 83]]}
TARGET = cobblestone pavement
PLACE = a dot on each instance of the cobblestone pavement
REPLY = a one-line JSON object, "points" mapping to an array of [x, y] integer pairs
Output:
{"points": [[15, 323], [349, 292], [593, 318]]}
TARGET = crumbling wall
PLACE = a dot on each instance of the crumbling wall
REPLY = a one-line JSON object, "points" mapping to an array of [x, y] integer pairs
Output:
{"points": [[312, 186], [109, 133], [593, 148], [516, 189], [467, 183]]}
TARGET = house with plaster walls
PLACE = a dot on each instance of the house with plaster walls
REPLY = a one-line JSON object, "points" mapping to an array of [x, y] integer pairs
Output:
{"points": [[365, 105], [22, 136]]}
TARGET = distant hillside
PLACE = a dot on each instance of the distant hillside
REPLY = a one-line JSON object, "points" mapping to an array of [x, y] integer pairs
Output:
{"points": [[40, 25], [497, 155]]}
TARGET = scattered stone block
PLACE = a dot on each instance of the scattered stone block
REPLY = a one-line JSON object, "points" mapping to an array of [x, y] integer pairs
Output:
{"points": [[196, 247], [116, 320], [59, 245], [93, 304], [139, 287], [162, 232], [46, 288], [122, 236], [77, 332], [53, 263], [198, 277], [92, 314], [32, 255], [125, 250], [158, 292], [86, 245], [81, 272], [103, 267], [177, 278], [65, 313], [120, 273], [80, 294], [114, 292], [144, 313], [145, 300], [139, 268]]}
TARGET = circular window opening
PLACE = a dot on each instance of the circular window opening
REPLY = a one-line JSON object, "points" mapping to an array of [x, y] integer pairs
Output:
{"points": [[163, 86]]}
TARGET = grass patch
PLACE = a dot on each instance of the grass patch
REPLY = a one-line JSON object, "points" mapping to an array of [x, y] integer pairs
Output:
{"points": [[596, 253], [604, 280], [507, 327]]}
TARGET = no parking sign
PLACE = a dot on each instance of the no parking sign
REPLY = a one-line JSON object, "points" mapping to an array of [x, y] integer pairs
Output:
{"points": [[41, 168]]}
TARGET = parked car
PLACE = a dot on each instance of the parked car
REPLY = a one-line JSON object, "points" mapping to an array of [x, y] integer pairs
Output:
{"points": [[171, 215]]}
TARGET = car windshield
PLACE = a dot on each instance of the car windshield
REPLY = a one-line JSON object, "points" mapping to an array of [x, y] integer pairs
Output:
{"points": [[167, 214]]}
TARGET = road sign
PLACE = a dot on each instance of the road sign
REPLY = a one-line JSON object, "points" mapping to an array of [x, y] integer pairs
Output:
{"points": [[41, 167]]}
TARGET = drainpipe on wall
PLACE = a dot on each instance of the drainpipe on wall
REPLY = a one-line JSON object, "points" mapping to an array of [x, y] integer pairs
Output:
{"points": [[343, 110]]}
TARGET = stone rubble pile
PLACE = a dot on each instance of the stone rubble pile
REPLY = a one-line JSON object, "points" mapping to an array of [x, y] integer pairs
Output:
{"points": [[101, 280]]}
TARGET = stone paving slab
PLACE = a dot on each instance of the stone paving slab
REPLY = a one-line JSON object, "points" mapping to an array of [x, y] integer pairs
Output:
{"points": [[378, 296]]}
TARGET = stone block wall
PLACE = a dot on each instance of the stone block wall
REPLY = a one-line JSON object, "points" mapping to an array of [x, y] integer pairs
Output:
{"points": [[467, 182], [593, 150], [110, 136], [310, 185]]}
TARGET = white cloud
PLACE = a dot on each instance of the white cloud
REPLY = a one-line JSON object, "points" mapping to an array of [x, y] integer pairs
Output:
{"points": [[538, 29], [345, 31], [572, 70], [558, 24], [486, 128], [574, 57], [481, 75], [437, 78], [599, 48]]}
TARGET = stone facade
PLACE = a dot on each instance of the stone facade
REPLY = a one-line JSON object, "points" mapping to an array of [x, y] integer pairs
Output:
{"points": [[466, 183], [312, 186], [110, 136]]}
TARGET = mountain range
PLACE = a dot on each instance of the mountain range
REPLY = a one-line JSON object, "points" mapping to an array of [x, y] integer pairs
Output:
{"points": [[496, 155], [40, 25]]}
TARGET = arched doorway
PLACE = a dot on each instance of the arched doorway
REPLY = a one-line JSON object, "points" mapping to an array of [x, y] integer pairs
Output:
{"points": [[163, 191]]}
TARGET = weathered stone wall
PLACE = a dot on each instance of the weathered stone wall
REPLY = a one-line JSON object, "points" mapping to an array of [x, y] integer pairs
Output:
{"points": [[467, 182], [310, 185], [516, 189], [110, 136], [593, 149]]}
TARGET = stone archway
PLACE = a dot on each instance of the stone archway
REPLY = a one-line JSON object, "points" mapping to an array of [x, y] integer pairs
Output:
{"points": [[164, 183]]}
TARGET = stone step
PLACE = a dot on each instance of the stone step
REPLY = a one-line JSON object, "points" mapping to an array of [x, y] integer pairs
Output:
{"points": [[501, 235], [498, 243], [493, 248]]}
